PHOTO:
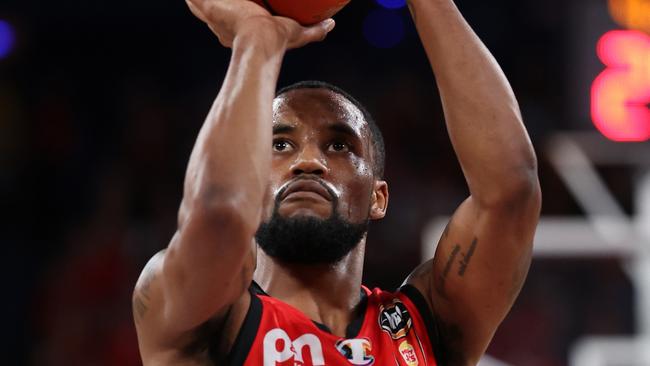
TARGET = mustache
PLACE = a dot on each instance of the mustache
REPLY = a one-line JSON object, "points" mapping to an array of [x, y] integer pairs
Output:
{"points": [[315, 178]]}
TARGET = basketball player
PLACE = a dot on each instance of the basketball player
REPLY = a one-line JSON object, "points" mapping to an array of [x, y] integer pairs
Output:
{"points": [[265, 266]]}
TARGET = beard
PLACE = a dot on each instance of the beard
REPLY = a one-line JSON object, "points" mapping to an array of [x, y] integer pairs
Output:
{"points": [[309, 240]]}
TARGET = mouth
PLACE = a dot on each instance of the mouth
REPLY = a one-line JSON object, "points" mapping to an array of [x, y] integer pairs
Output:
{"points": [[306, 188]]}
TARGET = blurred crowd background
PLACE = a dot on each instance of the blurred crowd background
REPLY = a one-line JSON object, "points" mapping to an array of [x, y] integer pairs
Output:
{"points": [[100, 102]]}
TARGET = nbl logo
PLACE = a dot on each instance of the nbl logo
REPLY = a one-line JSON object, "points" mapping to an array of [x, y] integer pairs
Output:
{"points": [[395, 319]]}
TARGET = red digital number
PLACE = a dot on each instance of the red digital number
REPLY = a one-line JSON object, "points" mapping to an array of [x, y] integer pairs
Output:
{"points": [[620, 95]]}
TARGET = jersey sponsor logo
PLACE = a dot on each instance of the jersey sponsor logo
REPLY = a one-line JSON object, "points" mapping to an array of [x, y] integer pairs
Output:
{"points": [[279, 347], [408, 353], [395, 319], [356, 351]]}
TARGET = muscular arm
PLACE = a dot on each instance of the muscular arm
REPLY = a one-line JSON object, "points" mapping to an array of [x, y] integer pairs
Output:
{"points": [[482, 258], [203, 268], [208, 264]]}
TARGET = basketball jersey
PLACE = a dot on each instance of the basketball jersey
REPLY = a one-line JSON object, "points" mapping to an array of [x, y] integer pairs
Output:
{"points": [[396, 329]]}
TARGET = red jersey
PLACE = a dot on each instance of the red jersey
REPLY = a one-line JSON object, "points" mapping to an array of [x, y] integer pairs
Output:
{"points": [[395, 329]]}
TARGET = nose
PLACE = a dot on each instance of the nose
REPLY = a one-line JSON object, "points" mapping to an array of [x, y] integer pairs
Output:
{"points": [[310, 160]]}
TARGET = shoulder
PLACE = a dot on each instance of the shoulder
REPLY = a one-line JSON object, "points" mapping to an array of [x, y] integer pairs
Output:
{"points": [[405, 311], [211, 340], [150, 271], [142, 294], [407, 294], [400, 310]]}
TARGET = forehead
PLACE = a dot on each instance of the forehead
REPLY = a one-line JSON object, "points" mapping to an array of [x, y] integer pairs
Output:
{"points": [[320, 108]]}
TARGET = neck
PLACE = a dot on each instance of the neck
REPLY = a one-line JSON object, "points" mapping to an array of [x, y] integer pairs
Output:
{"points": [[327, 294]]}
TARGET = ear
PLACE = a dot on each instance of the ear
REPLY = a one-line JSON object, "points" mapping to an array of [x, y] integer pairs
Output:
{"points": [[379, 200]]}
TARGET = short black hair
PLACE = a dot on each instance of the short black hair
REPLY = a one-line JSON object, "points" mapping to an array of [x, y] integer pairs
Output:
{"points": [[378, 148]]}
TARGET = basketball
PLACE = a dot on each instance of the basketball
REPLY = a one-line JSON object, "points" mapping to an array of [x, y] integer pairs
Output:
{"points": [[305, 12]]}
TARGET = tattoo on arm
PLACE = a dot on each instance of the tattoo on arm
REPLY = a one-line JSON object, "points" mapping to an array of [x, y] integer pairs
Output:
{"points": [[450, 334], [463, 264], [447, 269], [467, 257], [141, 295], [450, 261]]}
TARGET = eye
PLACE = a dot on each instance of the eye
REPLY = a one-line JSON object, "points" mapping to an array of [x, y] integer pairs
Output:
{"points": [[281, 146], [339, 146]]}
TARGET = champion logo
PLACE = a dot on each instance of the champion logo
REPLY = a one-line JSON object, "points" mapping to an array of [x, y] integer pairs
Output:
{"points": [[357, 351]]}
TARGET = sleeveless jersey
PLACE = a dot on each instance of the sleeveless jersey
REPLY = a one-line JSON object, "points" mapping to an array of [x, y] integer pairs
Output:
{"points": [[396, 329]]}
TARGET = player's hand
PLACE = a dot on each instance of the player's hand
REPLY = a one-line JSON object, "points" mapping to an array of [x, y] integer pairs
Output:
{"points": [[229, 18]]}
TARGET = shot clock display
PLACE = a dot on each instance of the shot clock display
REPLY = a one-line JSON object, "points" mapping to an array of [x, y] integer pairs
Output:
{"points": [[620, 95]]}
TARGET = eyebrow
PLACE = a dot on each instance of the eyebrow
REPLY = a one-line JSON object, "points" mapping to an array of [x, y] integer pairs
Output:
{"points": [[282, 128], [344, 129], [340, 128]]}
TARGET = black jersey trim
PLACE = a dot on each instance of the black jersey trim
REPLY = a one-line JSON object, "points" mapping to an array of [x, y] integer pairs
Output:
{"points": [[244, 341], [425, 311], [257, 289]]}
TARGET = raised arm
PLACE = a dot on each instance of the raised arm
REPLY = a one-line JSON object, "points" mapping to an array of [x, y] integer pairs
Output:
{"points": [[483, 256], [208, 264]]}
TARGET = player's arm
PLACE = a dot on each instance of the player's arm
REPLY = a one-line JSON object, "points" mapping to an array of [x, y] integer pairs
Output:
{"points": [[483, 257], [207, 265]]}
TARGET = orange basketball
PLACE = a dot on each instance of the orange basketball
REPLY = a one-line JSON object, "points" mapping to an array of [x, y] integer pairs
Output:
{"points": [[306, 12]]}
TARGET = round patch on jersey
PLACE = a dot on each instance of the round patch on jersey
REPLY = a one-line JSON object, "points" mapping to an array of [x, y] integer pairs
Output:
{"points": [[408, 353], [356, 350], [394, 319]]}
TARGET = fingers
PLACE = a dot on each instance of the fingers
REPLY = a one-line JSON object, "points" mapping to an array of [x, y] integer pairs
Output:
{"points": [[314, 33], [226, 17]]}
